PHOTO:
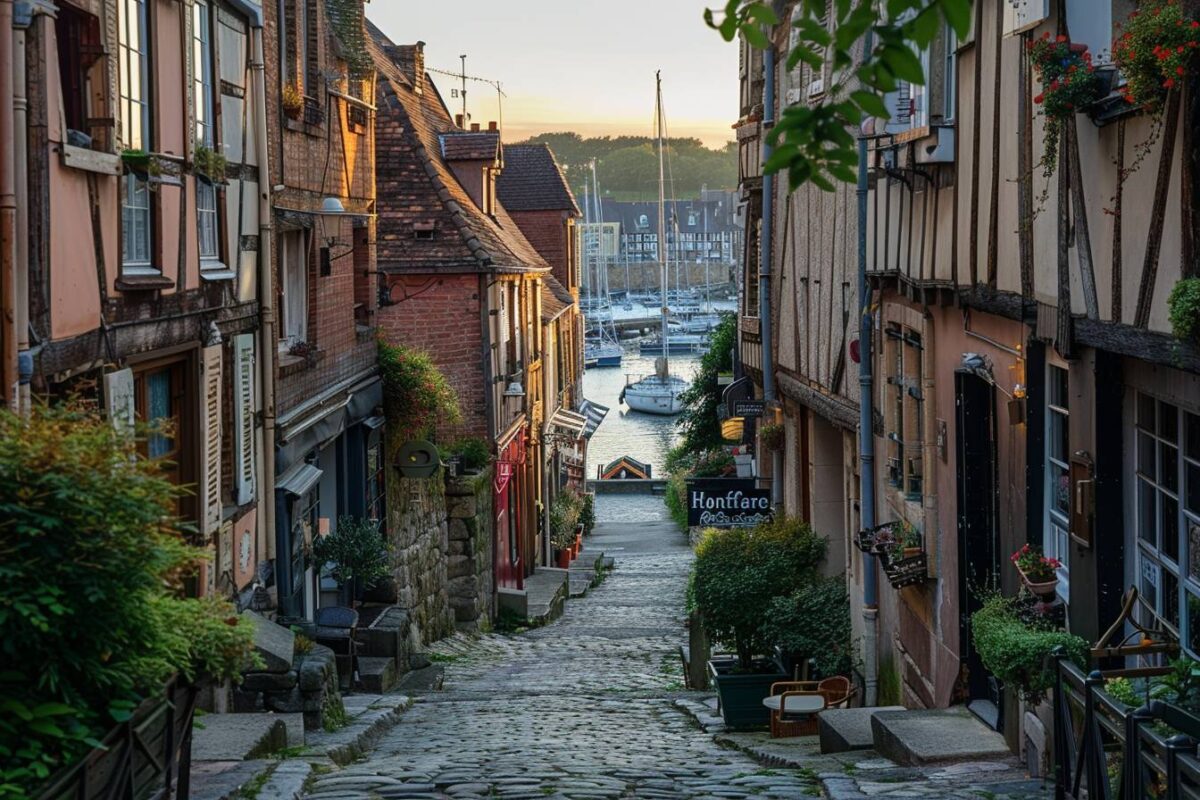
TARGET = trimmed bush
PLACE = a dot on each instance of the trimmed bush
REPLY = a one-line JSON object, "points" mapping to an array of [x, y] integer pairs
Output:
{"points": [[739, 572], [1018, 653], [356, 551], [814, 623]]}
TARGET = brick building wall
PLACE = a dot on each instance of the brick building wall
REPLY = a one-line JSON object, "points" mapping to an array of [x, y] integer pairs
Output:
{"points": [[547, 232], [440, 314]]}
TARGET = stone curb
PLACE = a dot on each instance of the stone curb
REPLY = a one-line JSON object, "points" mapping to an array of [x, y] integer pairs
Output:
{"points": [[362, 733], [286, 781]]}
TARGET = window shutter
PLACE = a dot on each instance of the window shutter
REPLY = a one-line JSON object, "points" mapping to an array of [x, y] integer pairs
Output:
{"points": [[243, 405], [210, 438]]}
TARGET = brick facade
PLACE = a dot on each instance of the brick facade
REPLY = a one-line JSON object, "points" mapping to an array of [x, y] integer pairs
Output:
{"points": [[549, 232]]}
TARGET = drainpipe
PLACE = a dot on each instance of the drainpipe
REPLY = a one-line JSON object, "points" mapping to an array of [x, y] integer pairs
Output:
{"points": [[23, 18], [866, 426], [764, 267], [266, 291], [8, 212]]}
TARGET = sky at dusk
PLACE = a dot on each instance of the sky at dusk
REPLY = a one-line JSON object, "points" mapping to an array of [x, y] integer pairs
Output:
{"points": [[572, 65]]}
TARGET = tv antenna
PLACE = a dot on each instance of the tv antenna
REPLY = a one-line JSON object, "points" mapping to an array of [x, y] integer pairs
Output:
{"points": [[463, 77]]}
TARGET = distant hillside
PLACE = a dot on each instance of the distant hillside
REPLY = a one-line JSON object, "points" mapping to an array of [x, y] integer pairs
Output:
{"points": [[627, 166]]}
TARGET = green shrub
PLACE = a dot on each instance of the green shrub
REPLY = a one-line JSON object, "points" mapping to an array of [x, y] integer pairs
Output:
{"points": [[564, 516], [587, 512], [1183, 307], [473, 451], [675, 496], [92, 565], [356, 551], [814, 623], [416, 395], [1018, 653], [699, 425], [739, 572], [683, 464]]}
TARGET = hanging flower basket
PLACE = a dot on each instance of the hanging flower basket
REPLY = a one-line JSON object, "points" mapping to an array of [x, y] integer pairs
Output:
{"points": [[1069, 83], [1157, 51], [1038, 573]]}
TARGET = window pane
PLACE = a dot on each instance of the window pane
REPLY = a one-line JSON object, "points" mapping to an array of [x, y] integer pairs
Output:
{"points": [[1193, 612], [1060, 488], [1168, 467], [1147, 513], [1145, 455], [1058, 443], [1148, 591], [1058, 387], [1170, 599], [1145, 412], [1192, 494], [1194, 551], [158, 400], [1169, 527], [1168, 421], [1192, 436]]}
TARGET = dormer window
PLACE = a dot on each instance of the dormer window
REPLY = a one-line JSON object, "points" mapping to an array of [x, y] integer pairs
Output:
{"points": [[424, 230]]}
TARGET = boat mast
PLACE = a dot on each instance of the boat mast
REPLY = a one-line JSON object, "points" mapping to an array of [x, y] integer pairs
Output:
{"points": [[662, 227]]}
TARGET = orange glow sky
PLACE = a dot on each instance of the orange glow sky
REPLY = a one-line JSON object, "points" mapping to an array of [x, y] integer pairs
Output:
{"points": [[571, 65]]}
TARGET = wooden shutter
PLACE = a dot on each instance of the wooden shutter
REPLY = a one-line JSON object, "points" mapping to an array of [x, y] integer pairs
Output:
{"points": [[243, 409], [210, 440]]}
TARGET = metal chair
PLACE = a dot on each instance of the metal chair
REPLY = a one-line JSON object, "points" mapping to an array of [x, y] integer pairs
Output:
{"points": [[337, 627]]}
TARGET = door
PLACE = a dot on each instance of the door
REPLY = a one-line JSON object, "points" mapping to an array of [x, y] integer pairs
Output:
{"points": [[978, 545]]}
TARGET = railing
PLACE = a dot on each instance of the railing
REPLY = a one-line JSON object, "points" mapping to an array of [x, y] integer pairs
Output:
{"points": [[1107, 750], [147, 757]]}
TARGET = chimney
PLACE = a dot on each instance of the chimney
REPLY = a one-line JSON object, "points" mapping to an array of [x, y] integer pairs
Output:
{"points": [[474, 127], [492, 127], [410, 58], [458, 121]]}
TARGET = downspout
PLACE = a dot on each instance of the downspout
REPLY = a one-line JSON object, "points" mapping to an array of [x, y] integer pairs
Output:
{"points": [[866, 426], [23, 18], [266, 293], [8, 213], [764, 267]]}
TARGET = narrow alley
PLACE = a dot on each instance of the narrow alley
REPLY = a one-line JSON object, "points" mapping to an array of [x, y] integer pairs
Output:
{"points": [[580, 708]]}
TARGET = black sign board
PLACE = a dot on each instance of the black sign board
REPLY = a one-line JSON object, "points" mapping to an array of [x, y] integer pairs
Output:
{"points": [[727, 503], [749, 408]]}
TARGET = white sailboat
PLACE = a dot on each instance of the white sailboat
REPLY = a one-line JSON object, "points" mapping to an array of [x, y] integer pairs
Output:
{"points": [[658, 393]]}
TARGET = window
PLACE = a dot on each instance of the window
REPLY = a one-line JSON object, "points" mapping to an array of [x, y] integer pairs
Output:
{"points": [[135, 224], [904, 409], [750, 290], [1058, 474], [950, 81], [132, 40], [79, 49], [202, 59], [1167, 515], [293, 260]]}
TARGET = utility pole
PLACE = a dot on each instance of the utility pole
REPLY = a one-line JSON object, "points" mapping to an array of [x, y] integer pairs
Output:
{"points": [[466, 119]]}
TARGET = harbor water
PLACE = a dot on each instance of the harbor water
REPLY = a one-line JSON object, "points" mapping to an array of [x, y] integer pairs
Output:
{"points": [[646, 437]]}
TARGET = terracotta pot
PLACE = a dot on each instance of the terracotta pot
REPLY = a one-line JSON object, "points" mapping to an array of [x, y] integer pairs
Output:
{"points": [[1041, 588], [912, 552], [562, 558]]}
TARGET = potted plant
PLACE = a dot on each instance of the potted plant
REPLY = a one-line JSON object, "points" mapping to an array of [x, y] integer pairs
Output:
{"points": [[564, 517], [1069, 83], [1038, 573], [1183, 306], [1156, 52], [735, 577], [910, 540], [771, 436], [292, 100], [587, 512], [209, 164], [1015, 646], [357, 555], [472, 453]]}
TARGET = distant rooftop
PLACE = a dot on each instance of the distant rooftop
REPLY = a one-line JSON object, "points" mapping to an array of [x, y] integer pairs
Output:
{"points": [[532, 180]]}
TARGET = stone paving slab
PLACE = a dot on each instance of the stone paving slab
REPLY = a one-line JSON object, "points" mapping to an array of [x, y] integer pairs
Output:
{"points": [[237, 737], [935, 735], [842, 729]]}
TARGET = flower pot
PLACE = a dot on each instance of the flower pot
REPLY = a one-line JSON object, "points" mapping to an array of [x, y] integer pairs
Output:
{"points": [[1040, 588], [562, 558], [741, 693], [912, 552]]}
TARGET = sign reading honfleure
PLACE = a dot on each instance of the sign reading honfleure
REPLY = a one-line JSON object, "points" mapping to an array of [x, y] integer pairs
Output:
{"points": [[727, 503]]}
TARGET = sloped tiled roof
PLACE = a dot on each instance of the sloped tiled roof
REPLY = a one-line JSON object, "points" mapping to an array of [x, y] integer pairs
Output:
{"points": [[470, 145], [416, 187], [533, 181], [553, 303]]}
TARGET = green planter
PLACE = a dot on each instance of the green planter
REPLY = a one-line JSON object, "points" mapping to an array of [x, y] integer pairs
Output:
{"points": [[741, 694]]}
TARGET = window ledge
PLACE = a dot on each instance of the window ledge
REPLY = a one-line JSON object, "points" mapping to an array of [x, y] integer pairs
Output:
{"points": [[144, 283], [82, 158], [216, 271], [300, 126]]}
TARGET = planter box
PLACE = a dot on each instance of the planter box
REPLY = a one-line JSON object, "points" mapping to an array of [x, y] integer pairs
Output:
{"points": [[907, 571], [741, 694], [1042, 588]]}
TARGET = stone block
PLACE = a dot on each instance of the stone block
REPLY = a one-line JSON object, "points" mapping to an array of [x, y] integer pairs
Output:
{"points": [[458, 567], [462, 507], [456, 530], [313, 675], [274, 644], [458, 548], [285, 702], [268, 681], [378, 675], [844, 729], [245, 701], [912, 738]]}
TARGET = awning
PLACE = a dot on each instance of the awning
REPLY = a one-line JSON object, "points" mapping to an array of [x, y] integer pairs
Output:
{"points": [[323, 422], [595, 414], [299, 479], [569, 421]]}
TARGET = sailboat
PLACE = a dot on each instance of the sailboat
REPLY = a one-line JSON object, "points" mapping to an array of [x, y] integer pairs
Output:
{"points": [[600, 345], [658, 393]]}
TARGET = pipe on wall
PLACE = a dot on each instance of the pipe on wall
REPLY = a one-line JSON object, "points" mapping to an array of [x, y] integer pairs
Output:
{"points": [[23, 18], [764, 265], [866, 425], [8, 212]]}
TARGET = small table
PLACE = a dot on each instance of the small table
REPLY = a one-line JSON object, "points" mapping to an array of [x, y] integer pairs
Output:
{"points": [[796, 704]]}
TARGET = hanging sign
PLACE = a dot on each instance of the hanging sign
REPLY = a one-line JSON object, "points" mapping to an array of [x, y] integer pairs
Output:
{"points": [[749, 408], [727, 503]]}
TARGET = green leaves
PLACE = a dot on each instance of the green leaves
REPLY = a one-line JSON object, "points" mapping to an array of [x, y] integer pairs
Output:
{"points": [[815, 147]]}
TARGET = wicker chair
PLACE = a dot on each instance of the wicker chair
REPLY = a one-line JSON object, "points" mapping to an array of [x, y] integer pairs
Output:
{"points": [[837, 692]]}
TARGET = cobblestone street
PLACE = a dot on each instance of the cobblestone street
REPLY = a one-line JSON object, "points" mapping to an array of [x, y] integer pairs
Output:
{"points": [[581, 708]]}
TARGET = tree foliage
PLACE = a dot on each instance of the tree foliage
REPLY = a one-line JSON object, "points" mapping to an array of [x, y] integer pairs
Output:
{"points": [[814, 623], [91, 618], [357, 552], [627, 166], [698, 425], [814, 143], [1018, 652], [738, 573]]}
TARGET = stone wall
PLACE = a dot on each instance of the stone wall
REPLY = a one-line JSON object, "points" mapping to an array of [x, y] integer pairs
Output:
{"points": [[417, 532], [469, 511]]}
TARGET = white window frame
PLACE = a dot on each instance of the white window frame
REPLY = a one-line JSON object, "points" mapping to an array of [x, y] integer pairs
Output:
{"points": [[1056, 525], [202, 78], [1155, 566], [137, 221], [293, 274]]}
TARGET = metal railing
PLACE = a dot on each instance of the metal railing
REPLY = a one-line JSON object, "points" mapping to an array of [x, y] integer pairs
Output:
{"points": [[1107, 750]]}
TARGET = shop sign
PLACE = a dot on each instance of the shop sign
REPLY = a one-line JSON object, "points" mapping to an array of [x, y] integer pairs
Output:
{"points": [[727, 503]]}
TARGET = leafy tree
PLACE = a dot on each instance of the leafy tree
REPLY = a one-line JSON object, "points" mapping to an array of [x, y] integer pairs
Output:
{"points": [[91, 618], [814, 623], [813, 143], [698, 425]]}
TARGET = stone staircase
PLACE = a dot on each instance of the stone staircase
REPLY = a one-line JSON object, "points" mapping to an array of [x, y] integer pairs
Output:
{"points": [[911, 737]]}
